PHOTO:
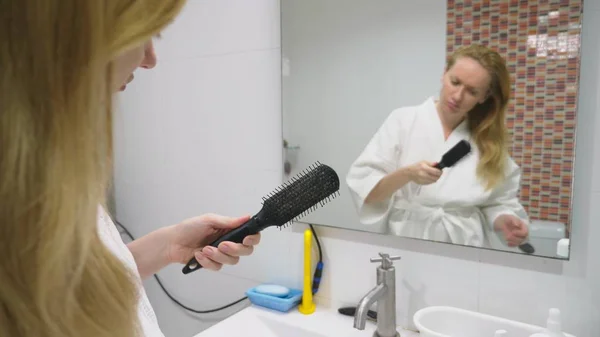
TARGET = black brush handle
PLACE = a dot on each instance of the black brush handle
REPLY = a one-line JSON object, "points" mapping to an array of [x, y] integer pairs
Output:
{"points": [[237, 235], [351, 311], [527, 248]]}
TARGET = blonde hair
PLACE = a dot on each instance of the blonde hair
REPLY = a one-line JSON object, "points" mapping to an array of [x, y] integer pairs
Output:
{"points": [[487, 120], [56, 276]]}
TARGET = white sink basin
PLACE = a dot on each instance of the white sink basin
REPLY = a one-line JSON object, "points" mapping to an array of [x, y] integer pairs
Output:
{"points": [[278, 328], [256, 321], [455, 322]]}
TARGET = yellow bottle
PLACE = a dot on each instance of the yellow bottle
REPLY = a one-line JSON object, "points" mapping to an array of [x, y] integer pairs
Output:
{"points": [[307, 306]]}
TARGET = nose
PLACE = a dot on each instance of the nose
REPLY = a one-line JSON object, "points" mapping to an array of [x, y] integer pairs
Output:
{"points": [[458, 95], [149, 60]]}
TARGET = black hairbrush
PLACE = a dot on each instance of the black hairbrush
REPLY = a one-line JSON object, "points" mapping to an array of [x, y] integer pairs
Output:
{"points": [[294, 199], [527, 248], [456, 153]]}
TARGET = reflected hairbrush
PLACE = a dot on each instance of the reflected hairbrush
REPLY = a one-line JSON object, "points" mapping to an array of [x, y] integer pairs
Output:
{"points": [[527, 248], [296, 198], [456, 153]]}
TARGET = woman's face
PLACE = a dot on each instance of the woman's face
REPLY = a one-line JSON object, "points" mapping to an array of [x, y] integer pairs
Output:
{"points": [[464, 85], [142, 56]]}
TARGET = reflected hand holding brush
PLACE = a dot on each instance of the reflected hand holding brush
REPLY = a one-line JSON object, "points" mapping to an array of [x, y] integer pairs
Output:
{"points": [[449, 159], [454, 155]]}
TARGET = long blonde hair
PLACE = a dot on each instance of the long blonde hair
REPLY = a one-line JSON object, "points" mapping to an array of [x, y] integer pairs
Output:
{"points": [[56, 277], [487, 120]]}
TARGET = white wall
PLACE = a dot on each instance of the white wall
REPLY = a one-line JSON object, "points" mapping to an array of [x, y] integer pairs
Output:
{"points": [[181, 152], [201, 133]]}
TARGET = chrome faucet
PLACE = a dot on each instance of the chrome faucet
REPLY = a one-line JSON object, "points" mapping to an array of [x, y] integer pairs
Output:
{"points": [[385, 296]]}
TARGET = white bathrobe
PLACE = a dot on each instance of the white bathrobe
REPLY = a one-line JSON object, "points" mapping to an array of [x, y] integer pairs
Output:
{"points": [[456, 208], [112, 239]]}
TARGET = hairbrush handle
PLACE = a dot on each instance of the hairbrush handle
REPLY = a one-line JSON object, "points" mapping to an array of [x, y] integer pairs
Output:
{"points": [[454, 155], [236, 235], [527, 248]]}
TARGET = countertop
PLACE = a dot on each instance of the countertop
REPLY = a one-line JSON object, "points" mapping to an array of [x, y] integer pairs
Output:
{"points": [[256, 321]]}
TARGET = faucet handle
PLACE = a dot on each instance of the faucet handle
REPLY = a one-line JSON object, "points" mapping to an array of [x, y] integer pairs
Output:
{"points": [[386, 260]]}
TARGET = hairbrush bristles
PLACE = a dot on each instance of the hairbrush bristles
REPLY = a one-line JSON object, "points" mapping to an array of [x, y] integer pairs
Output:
{"points": [[302, 194]]}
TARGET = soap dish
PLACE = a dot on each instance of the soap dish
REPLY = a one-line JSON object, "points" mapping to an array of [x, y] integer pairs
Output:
{"points": [[283, 304]]}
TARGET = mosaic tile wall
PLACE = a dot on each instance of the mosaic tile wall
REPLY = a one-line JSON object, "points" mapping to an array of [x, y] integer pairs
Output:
{"points": [[540, 41]]}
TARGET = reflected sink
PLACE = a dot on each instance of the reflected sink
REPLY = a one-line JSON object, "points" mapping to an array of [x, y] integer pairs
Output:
{"points": [[455, 322], [255, 321]]}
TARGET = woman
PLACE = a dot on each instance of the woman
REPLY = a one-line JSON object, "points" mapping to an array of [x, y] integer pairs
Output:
{"points": [[394, 182], [64, 269]]}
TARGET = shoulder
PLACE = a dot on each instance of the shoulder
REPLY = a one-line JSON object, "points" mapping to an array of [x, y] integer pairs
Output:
{"points": [[111, 237], [414, 110], [512, 167], [406, 115], [105, 224]]}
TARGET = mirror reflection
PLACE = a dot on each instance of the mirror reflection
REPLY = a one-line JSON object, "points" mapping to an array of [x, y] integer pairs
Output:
{"points": [[450, 121]]}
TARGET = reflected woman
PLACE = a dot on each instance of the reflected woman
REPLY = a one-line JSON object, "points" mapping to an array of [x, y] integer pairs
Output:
{"points": [[394, 183]]}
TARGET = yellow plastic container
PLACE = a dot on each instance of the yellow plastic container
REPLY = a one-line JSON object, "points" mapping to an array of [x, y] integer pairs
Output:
{"points": [[307, 306]]}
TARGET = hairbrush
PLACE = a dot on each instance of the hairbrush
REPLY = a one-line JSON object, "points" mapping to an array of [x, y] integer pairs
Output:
{"points": [[299, 196], [351, 311], [527, 248], [456, 153]]}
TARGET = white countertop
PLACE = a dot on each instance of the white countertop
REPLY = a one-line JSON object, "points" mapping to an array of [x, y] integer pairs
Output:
{"points": [[256, 321]]}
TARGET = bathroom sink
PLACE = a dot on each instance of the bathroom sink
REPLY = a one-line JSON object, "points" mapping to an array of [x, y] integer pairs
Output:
{"points": [[454, 322], [255, 321], [278, 328]]}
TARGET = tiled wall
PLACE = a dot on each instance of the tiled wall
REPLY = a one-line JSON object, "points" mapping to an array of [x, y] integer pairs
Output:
{"points": [[540, 41]]}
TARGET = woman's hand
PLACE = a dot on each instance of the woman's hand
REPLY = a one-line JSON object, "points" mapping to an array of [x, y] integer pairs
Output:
{"points": [[191, 237], [424, 173], [513, 229]]}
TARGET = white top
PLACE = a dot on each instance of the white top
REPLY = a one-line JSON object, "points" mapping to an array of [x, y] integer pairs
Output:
{"points": [[456, 208], [112, 238]]}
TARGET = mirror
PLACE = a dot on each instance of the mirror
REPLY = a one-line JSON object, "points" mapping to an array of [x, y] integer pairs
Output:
{"points": [[366, 91]]}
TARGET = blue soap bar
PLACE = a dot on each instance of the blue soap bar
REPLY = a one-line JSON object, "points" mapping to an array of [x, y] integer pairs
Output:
{"points": [[272, 290]]}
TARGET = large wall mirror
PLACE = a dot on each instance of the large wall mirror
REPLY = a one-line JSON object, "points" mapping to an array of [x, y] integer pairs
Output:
{"points": [[387, 92]]}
